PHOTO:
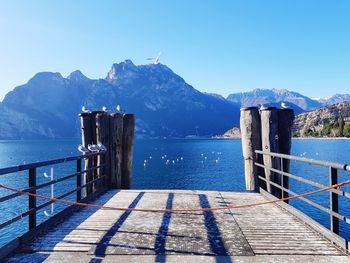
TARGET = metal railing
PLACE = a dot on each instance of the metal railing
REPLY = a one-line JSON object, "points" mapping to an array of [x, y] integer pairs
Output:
{"points": [[99, 181], [333, 209]]}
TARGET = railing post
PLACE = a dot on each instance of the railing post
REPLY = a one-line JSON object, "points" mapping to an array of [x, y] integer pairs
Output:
{"points": [[333, 200], [32, 199], [78, 179]]}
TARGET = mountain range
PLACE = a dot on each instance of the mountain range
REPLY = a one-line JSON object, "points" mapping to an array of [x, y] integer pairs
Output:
{"points": [[163, 103], [47, 106]]}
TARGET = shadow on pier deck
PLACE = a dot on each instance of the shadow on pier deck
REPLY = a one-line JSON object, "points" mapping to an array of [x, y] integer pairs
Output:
{"points": [[265, 233]]}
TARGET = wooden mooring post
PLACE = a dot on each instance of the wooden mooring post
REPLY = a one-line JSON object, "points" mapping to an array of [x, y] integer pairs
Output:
{"points": [[285, 123], [116, 132], [94, 159], [86, 130], [251, 141], [127, 149], [270, 131], [270, 143], [103, 137]]}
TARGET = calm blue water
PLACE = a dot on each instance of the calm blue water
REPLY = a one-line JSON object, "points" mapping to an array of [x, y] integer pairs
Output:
{"points": [[170, 164]]}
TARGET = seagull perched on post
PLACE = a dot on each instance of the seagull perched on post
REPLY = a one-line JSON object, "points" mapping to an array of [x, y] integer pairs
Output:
{"points": [[83, 149], [262, 107], [93, 148], [85, 110], [104, 108], [284, 105], [119, 109], [101, 147]]}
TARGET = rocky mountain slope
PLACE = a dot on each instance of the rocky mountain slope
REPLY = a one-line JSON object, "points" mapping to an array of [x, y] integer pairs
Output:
{"points": [[314, 122], [234, 133], [164, 104]]}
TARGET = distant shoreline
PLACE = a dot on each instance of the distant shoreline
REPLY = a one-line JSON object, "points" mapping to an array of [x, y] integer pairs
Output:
{"points": [[294, 138], [321, 138]]}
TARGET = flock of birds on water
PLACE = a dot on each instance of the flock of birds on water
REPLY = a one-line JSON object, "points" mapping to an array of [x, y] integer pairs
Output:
{"points": [[172, 161]]}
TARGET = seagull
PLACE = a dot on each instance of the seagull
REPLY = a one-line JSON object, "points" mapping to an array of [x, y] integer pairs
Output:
{"points": [[46, 213], [85, 110], [101, 147], [284, 105], [119, 109], [262, 107], [155, 60], [104, 108], [93, 148], [83, 149]]}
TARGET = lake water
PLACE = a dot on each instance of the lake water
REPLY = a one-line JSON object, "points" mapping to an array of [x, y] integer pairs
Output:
{"points": [[202, 164]]}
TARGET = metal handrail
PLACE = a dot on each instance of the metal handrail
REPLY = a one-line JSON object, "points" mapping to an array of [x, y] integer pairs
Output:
{"points": [[338, 166], [33, 210], [303, 180], [11, 196], [333, 209], [24, 167], [31, 168]]}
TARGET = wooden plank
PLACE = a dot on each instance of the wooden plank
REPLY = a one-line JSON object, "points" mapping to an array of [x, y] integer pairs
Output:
{"points": [[131, 233], [341, 242]]}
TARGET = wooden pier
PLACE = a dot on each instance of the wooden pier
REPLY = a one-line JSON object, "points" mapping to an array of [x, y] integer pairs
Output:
{"points": [[266, 233]]}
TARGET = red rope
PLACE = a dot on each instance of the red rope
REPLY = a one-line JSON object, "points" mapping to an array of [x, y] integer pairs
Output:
{"points": [[337, 186]]}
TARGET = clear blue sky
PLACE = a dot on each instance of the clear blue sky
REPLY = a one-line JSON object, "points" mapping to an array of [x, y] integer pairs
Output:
{"points": [[216, 46]]}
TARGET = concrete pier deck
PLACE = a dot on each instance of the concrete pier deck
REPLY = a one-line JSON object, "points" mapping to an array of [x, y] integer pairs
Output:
{"points": [[258, 234]]}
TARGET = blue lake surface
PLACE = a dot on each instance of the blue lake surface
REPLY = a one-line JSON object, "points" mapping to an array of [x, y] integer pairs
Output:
{"points": [[202, 164]]}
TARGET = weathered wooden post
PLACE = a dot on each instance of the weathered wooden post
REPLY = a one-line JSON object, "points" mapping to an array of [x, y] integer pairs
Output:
{"points": [[251, 141], [127, 149], [285, 123], [86, 130], [116, 133], [94, 141], [103, 137], [270, 143]]}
